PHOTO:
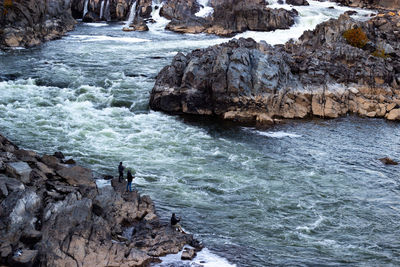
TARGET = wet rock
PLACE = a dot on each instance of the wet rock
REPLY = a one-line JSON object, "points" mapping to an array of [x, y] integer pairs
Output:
{"points": [[297, 2], [20, 170], [188, 254], [90, 17], [388, 161], [59, 155], [70, 162]]}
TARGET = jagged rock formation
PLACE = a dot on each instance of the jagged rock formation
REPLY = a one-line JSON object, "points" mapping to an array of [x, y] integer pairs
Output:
{"points": [[53, 214], [29, 23], [371, 4], [229, 17], [320, 75]]}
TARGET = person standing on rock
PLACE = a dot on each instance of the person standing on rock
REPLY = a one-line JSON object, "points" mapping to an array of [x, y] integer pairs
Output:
{"points": [[175, 223], [130, 179], [121, 172]]}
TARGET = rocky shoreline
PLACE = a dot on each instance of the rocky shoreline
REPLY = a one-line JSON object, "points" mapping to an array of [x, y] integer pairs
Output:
{"points": [[321, 74], [53, 214], [29, 23]]}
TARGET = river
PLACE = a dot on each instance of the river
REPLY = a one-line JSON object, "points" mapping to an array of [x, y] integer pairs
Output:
{"points": [[300, 193]]}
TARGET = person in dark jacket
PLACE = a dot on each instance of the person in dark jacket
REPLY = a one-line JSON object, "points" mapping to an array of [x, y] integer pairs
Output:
{"points": [[121, 172], [130, 179], [175, 223]]}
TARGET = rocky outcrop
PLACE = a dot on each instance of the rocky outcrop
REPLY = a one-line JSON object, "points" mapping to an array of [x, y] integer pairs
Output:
{"points": [[319, 75], [100, 10], [229, 17], [29, 23], [53, 214], [371, 4], [297, 2], [141, 14]]}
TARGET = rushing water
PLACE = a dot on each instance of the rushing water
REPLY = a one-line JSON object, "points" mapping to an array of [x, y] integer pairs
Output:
{"points": [[301, 193]]}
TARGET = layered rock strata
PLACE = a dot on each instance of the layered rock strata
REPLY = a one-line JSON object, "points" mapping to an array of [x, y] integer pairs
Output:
{"points": [[319, 75], [29, 23], [53, 214]]}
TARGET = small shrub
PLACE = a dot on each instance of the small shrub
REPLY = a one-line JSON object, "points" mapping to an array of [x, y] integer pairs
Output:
{"points": [[356, 37], [8, 3], [380, 53]]}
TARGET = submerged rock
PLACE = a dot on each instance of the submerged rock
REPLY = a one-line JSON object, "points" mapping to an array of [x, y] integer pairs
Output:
{"points": [[188, 254], [319, 75], [63, 219], [388, 161]]}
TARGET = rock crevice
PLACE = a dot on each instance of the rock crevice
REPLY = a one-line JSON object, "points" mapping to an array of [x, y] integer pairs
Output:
{"points": [[53, 214], [319, 75]]}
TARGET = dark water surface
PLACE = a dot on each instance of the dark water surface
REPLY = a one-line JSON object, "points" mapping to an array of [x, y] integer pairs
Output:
{"points": [[301, 193]]}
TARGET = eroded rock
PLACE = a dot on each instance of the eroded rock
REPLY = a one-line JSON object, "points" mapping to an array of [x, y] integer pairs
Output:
{"points": [[70, 222], [319, 75]]}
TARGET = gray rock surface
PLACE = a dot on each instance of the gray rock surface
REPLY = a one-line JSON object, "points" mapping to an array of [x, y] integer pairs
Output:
{"points": [[229, 17], [319, 75], [29, 23], [61, 218]]}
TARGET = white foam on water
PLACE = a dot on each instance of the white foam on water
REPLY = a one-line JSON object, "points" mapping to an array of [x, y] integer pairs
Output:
{"points": [[160, 22], [132, 14], [278, 134], [204, 258], [102, 9], [309, 17], [205, 10], [95, 24], [85, 8], [309, 228], [102, 38]]}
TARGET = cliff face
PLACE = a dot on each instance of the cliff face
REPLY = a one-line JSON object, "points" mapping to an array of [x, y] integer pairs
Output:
{"points": [[320, 75], [30, 22], [53, 214]]}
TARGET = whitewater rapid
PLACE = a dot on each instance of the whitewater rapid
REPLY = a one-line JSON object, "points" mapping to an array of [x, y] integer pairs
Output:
{"points": [[301, 193]]}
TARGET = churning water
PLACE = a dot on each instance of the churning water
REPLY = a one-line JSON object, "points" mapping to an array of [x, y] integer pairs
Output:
{"points": [[301, 193]]}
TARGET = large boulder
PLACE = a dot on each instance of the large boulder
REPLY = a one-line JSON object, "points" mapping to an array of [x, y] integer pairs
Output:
{"points": [[77, 175], [229, 17], [20, 170], [297, 2], [29, 23], [322, 74]]}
